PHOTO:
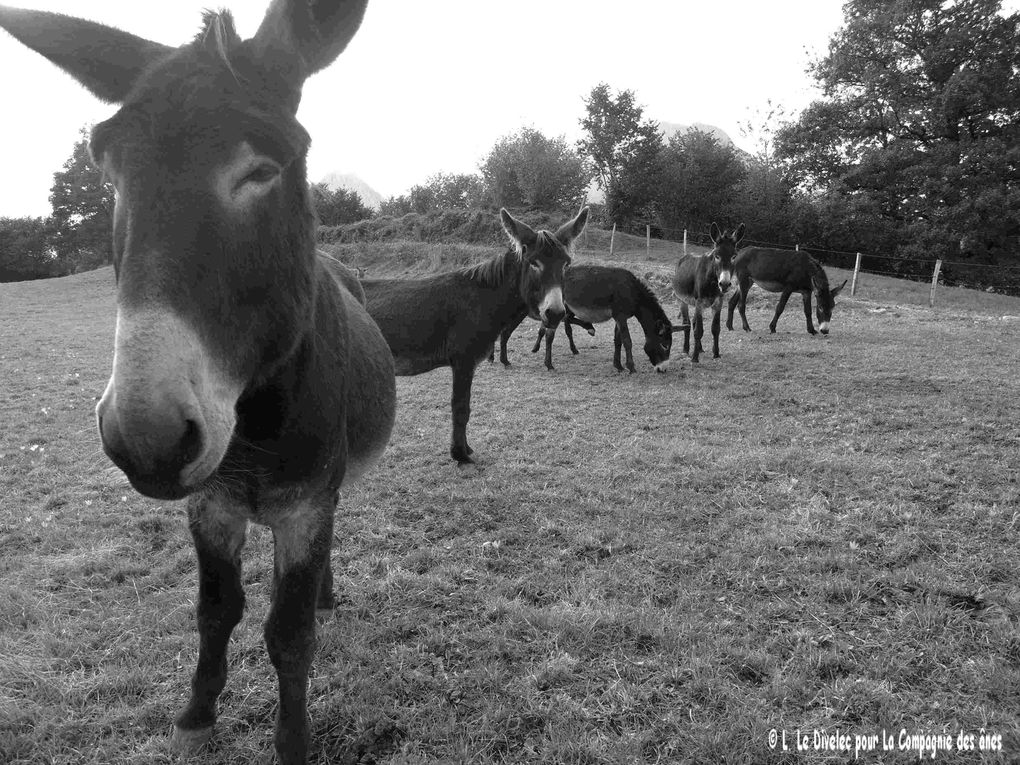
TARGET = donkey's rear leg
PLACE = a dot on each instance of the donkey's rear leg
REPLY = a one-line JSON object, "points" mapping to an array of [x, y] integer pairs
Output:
{"points": [[218, 532], [300, 558]]}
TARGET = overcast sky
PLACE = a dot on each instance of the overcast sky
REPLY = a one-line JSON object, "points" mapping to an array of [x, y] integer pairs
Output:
{"points": [[430, 85]]}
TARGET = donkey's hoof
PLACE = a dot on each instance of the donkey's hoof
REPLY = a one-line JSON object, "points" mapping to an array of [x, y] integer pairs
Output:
{"points": [[188, 741], [462, 457], [591, 331]]}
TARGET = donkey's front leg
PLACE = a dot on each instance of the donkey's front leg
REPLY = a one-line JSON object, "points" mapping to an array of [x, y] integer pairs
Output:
{"points": [[550, 335], [301, 538], [716, 320], [460, 403], [218, 529], [807, 312]]}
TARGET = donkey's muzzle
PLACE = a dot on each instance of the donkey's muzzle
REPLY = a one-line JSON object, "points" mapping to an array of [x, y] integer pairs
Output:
{"points": [[551, 317], [153, 451]]}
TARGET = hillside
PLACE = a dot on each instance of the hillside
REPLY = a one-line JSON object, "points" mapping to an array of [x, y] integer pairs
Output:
{"points": [[369, 196]]}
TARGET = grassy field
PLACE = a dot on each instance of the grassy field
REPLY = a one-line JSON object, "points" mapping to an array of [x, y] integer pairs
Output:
{"points": [[813, 534]]}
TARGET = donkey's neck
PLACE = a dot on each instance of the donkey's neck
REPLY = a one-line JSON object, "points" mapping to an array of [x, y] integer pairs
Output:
{"points": [[290, 424]]}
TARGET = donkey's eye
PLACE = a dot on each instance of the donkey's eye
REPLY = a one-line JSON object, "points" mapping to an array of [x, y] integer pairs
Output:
{"points": [[264, 172]]}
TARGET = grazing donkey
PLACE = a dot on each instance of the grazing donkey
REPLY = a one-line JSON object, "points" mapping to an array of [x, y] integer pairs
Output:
{"points": [[784, 271], [453, 319], [701, 281], [245, 377], [596, 293]]}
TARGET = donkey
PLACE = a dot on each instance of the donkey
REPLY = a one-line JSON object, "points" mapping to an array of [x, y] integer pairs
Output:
{"points": [[453, 319], [596, 293], [245, 377], [784, 271], [701, 281]]}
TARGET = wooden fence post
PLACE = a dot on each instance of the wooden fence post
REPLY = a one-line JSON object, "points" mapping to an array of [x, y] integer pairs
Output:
{"points": [[857, 270], [796, 248], [934, 283], [648, 240], [685, 243], [612, 239]]}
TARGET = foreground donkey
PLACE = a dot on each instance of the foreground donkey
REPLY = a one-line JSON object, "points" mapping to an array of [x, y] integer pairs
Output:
{"points": [[453, 319], [784, 271], [594, 294], [701, 281], [244, 375]]}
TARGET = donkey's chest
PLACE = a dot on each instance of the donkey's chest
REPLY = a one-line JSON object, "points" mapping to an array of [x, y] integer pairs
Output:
{"points": [[703, 302]]}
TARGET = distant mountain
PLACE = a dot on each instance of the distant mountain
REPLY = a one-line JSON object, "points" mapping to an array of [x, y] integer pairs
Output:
{"points": [[369, 196], [669, 129]]}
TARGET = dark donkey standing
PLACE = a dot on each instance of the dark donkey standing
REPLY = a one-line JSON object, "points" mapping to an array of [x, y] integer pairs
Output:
{"points": [[244, 375], [596, 293], [452, 319], [701, 281], [785, 271]]}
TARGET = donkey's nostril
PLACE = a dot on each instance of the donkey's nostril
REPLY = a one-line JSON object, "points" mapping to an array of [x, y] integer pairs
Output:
{"points": [[191, 442]]}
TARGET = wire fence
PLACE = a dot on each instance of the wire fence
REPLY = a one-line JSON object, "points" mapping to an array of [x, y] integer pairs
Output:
{"points": [[991, 277]]}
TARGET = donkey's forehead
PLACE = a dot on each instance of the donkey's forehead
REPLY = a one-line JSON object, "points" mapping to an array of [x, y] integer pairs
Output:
{"points": [[547, 244], [197, 97]]}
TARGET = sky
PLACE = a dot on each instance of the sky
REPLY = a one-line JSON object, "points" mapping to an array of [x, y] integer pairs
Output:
{"points": [[430, 86]]}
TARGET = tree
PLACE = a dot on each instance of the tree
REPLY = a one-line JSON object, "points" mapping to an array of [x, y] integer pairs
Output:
{"points": [[615, 131], [632, 193], [24, 251], [697, 180], [82, 219], [919, 126], [444, 191], [336, 207], [527, 170]]}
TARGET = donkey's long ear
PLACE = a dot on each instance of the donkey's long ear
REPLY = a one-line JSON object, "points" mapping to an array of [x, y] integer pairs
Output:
{"points": [[838, 289], [521, 234], [570, 230], [738, 234], [311, 33], [105, 60], [714, 232]]}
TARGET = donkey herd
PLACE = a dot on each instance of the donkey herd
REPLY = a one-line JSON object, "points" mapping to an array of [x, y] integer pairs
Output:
{"points": [[252, 374]]}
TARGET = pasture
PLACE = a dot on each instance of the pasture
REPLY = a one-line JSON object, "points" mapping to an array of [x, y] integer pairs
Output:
{"points": [[807, 534]]}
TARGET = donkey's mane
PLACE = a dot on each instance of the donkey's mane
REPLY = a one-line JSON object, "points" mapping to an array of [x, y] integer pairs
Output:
{"points": [[819, 280], [493, 272], [218, 35], [647, 297]]}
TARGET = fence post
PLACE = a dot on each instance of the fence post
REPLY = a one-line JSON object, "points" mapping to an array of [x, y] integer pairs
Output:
{"points": [[934, 283], [648, 240], [612, 239], [685, 243], [796, 248], [857, 270]]}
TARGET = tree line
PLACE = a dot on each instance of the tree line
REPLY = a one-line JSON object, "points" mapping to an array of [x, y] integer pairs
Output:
{"points": [[912, 151]]}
